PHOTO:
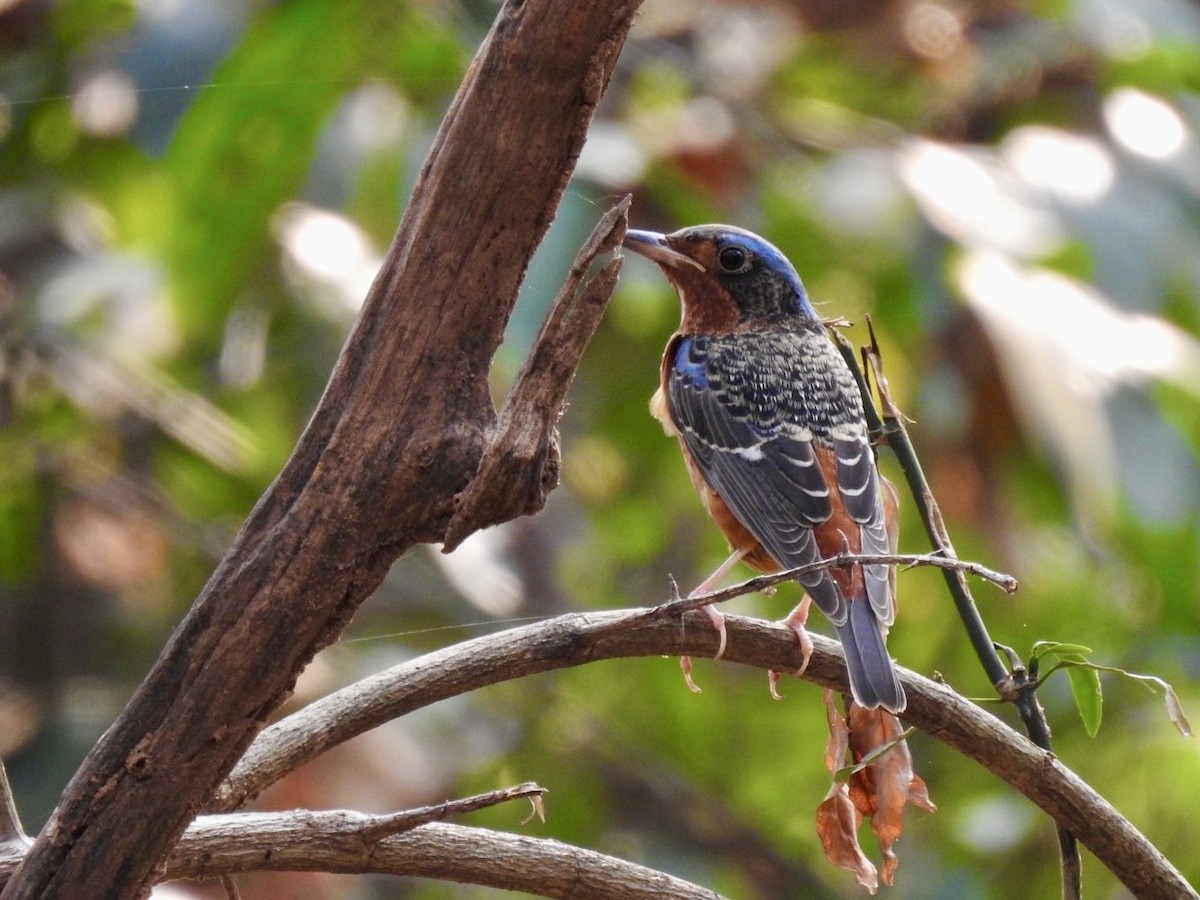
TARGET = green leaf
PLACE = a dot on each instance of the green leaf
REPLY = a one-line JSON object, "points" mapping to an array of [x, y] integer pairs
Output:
{"points": [[1085, 686], [1089, 699], [1060, 649]]}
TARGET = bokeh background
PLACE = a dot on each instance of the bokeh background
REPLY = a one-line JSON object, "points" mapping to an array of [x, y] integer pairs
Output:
{"points": [[194, 198]]}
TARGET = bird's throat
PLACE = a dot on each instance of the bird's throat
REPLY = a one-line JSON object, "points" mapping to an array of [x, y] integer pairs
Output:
{"points": [[707, 308]]}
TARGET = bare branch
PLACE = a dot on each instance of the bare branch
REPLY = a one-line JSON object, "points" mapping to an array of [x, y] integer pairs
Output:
{"points": [[1012, 685], [521, 463], [350, 842], [890, 428], [338, 841], [585, 637], [409, 843]]}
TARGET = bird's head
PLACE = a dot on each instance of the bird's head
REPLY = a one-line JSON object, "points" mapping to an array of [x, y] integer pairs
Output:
{"points": [[727, 278]]}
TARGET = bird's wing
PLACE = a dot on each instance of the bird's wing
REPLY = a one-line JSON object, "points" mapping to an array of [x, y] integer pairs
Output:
{"points": [[858, 485], [750, 431]]}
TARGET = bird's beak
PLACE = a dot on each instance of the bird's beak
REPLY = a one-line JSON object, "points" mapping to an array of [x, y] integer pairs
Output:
{"points": [[654, 246]]}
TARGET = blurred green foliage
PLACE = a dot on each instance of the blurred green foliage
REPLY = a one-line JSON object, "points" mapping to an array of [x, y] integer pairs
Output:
{"points": [[192, 202]]}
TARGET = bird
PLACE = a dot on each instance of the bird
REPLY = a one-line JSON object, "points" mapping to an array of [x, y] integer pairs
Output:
{"points": [[771, 424]]}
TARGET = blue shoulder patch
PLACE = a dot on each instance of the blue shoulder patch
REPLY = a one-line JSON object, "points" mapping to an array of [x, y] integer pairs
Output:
{"points": [[685, 365]]}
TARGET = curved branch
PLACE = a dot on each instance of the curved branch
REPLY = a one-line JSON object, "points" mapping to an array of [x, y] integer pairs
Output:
{"points": [[580, 638], [335, 842]]}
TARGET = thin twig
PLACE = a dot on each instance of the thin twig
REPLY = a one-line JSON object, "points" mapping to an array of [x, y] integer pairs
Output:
{"points": [[680, 605], [408, 819], [890, 428], [11, 831]]}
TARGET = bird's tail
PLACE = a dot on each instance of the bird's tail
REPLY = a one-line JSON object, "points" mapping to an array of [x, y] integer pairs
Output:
{"points": [[873, 680]]}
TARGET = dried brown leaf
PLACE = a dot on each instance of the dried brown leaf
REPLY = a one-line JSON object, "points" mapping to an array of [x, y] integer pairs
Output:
{"points": [[862, 792], [880, 791], [837, 827], [918, 795], [839, 736]]}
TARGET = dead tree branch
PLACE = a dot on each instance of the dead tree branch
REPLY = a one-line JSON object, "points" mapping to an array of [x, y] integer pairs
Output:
{"points": [[332, 842], [521, 463], [397, 437]]}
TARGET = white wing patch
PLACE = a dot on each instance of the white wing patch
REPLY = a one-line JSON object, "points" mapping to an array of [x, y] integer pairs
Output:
{"points": [[753, 454]]}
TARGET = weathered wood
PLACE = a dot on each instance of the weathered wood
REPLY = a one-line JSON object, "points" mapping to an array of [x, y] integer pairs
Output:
{"points": [[520, 466], [334, 842], [396, 437]]}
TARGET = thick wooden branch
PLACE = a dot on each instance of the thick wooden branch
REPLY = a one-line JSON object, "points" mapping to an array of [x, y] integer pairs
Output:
{"points": [[395, 439], [585, 637]]}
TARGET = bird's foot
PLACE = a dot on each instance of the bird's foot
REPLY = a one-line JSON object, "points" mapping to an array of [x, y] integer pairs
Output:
{"points": [[796, 621], [714, 614], [718, 620], [685, 662]]}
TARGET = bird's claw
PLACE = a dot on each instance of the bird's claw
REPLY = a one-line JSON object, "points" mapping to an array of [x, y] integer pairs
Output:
{"points": [[714, 615], [773, 677], [685, 666], [796, 620]]}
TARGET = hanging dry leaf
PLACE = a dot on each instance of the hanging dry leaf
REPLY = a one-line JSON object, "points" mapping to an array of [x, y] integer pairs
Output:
{"points": [[837, 827], [839, 734], [879, 790], [887, 786], [837, 817]]}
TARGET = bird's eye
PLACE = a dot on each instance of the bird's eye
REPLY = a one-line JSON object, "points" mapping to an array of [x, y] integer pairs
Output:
{"points": [[732, 258]]}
